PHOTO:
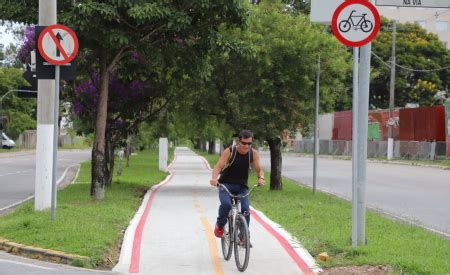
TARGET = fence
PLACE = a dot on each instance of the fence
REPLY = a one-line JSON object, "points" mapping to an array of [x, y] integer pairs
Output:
{"points": [[27, 140], [376, 149]]}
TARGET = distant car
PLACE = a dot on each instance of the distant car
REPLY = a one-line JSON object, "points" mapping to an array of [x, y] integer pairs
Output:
{"points": [[6, 142]]}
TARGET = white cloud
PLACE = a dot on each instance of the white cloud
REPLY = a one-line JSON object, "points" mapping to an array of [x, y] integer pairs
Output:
{"points": [[6, 37]]}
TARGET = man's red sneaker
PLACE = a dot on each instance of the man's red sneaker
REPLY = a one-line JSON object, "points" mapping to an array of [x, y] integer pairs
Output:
{"points": [[218, 231]]}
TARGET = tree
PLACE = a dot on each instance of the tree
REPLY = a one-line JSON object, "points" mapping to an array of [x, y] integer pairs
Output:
{"points": [[266, 83], [110, 31], [16, 114], [415, 49]]}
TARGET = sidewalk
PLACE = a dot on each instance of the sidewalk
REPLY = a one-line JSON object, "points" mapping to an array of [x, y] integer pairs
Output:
{"points": [[172, 232]]}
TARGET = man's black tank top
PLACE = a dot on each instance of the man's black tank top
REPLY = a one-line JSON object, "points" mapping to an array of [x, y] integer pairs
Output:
{"points": [[237, 172]]}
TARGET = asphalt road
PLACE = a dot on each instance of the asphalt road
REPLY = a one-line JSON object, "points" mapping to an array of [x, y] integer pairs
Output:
{"points": [[14, 265], [18, 171], [417, 194]]}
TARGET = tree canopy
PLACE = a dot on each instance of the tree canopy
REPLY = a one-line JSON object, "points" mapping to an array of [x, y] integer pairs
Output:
{"points": [[419, 58]]}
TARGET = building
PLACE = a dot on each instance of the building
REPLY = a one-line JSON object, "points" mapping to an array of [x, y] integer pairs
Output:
{"points": [[434, 20]]}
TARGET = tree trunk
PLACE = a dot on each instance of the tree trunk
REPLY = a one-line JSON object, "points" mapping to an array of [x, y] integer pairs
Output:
{"points": [[109, 159], [98, 150], [275, 164], [128, 150], [198, 144], [212, 147]]}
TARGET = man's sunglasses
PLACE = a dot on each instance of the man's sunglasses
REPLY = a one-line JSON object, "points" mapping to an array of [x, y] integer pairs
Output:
{"points": [[246, 143]]}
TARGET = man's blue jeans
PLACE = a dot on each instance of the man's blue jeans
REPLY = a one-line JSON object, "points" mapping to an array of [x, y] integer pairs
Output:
{"points": [[225, 203]]}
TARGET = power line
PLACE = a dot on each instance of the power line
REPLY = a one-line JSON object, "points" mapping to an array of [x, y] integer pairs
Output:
{"points": [[408, 69]]}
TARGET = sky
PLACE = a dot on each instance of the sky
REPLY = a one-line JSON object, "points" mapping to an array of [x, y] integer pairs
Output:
{"points": [[6, 37]]}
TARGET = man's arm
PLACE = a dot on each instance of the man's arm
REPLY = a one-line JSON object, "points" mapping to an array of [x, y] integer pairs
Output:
{"points": [[219, 166], [257, 167]]}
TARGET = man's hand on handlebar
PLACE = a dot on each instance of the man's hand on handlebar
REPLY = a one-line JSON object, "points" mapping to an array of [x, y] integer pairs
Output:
{"points": [[213, 182], [261, 181]]}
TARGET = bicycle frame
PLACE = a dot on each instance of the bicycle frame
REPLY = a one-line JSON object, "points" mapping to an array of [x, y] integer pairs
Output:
{"points": [[234, 229], [351, 16]]}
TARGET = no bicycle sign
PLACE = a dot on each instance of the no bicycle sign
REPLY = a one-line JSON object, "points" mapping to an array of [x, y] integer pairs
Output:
{"points": [[58, 44]]}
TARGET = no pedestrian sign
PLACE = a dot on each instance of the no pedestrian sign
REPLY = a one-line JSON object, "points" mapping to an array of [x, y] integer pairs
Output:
{"points": [[58, 44], [355, 22]]}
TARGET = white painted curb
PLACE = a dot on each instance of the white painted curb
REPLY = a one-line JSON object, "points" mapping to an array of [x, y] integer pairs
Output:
{"points": [[127, 243]]}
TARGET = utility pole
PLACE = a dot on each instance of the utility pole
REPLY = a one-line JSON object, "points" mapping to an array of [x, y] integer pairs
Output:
{"points": [[391, 96], [45, 122], [316, 126]]}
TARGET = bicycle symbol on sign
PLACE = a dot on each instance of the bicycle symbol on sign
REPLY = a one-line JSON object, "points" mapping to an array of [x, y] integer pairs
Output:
{"points": [[364, 24]]}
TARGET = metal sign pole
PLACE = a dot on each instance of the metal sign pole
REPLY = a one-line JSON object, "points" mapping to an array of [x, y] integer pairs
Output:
{"points": [[55, 142], [316, 126], [363, 110], [355, 149]]}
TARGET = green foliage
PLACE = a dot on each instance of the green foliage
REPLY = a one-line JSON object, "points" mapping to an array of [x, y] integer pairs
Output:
{"points": [[18, 123], [268, 85], [20, 113], [415, 49]]}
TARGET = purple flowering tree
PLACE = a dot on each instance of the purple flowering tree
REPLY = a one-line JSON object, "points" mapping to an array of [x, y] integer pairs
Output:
{"points": [[27, 45], [130, 103]]}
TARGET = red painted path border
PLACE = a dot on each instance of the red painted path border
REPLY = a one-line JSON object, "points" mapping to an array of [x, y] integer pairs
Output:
{"points": [[136, 250], [284, 243]]}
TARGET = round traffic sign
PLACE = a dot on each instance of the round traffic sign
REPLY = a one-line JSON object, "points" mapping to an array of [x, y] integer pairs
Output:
{"points": [[58, 44], [355, 22]]}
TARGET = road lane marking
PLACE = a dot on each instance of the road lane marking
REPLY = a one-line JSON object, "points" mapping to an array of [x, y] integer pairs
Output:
{"points": [[212, 247], [32, 196], [30, 265], [218, 270]]}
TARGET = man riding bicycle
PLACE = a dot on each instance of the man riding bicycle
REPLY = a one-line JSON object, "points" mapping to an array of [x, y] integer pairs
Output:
{"points": [[233, 167]]}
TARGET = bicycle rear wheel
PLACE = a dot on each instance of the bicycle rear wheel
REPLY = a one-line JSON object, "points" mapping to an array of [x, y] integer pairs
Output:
{"points": [[241, 243], [226, 240]]}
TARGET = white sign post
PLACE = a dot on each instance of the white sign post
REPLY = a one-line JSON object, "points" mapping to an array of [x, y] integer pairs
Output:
{"points": [[163, 154], [58, 45]]}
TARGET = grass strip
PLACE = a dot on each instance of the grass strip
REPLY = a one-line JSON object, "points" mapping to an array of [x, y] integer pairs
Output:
{"points": [[83, 226], [322, 223]]}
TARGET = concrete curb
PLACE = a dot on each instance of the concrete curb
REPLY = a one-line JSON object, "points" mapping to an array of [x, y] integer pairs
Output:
{"points": [[411, 163], [41, 253]]}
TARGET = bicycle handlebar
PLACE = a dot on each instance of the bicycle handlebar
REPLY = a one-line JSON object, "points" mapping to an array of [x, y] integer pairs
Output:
{"points": [[219, 185]]}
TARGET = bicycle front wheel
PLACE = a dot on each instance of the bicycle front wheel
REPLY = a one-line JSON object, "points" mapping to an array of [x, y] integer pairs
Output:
{"points": [[226, 240], [241, 243], [344, 25]]}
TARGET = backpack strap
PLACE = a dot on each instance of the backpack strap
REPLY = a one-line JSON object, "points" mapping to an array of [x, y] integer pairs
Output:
{"points": [[250, 158], [231, 158]]}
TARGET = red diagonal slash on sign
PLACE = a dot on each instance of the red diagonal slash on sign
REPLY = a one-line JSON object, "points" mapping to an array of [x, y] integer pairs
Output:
{"points": [[45, 51], [58, 45]]}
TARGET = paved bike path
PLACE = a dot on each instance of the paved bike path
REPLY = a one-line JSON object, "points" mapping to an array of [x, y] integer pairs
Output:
{"points": [[172, 233]]}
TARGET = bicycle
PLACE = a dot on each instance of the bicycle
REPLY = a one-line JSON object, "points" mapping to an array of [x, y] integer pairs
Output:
{"points": [[236, 232], [364, 24]]}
